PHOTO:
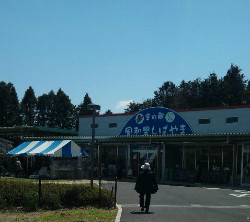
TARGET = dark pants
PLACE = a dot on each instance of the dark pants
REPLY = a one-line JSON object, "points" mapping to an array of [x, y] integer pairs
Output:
{"points": [[18, 173], [147, 201]]}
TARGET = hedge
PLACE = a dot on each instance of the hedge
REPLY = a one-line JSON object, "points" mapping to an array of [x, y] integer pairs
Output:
{"points": [[25, 195]]}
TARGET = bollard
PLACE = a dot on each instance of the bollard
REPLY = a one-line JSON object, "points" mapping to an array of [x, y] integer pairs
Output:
{"points": [[39, 190], [100, 181], [115, 190], [110, 200]]}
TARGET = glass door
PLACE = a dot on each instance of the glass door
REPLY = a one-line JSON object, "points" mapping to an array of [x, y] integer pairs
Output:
{"points": [[246, 165]]}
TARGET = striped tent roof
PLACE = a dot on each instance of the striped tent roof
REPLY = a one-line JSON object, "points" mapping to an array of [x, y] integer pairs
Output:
{"points": [[57, 148]]}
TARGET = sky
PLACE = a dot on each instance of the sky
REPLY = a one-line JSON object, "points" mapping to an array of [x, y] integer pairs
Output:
{"points": [[119, 51]]}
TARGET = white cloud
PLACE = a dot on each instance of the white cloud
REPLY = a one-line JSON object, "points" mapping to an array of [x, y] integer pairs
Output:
{"points": [[121, 105]]}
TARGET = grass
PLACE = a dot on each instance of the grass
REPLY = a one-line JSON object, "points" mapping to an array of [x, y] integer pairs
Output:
{"points": [[82, 214]]}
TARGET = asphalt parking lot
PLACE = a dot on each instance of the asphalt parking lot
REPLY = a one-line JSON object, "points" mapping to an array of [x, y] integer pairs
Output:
{"points": [[174, 203]]}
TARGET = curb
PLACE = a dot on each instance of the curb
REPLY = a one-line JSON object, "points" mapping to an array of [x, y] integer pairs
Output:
{"points": [[119, 213]]}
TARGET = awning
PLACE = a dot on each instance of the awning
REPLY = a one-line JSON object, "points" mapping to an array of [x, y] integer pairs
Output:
{"points": [[57, 148]]}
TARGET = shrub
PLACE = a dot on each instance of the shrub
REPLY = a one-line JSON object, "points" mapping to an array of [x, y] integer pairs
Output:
{"points": [[72, 196], [25, 195], [2, 202], [30, 201], [50, 201]]}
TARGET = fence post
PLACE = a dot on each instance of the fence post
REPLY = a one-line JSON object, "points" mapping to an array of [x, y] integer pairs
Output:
{"points": [[110, 200], [39, 190], [100, 181], [115, 190]]}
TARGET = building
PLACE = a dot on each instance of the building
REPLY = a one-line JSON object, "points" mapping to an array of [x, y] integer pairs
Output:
{"points": [[181, 145]]}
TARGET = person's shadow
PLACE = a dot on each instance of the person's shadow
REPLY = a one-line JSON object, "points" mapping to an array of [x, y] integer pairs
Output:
{"points": [[141, 212]]}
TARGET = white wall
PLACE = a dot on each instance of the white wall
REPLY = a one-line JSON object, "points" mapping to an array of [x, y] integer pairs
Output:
{"points": [[103, 125], [217, 122]]}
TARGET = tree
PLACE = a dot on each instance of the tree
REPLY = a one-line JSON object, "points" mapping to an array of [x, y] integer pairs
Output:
{"points": [[84, 110], [3, 104], [247, 93], [13, 115], [42, 110], [234, 86], [46, 113], [28, 107], [64, 111], [51, 106], [165, 95], [211, 92], [188, 94], [148, 103], [9, 105], [133, 107], [108, 112]]}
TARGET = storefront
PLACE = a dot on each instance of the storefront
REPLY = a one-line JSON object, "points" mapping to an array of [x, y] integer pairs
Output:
{"points": [[210, 146], [245, 165]]}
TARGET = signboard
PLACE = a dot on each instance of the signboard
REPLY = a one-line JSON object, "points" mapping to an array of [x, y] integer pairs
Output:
{"points": [[156, 121]]}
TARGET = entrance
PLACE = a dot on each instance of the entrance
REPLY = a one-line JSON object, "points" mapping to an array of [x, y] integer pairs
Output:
{"points": [[140, 154], [246, 165]]}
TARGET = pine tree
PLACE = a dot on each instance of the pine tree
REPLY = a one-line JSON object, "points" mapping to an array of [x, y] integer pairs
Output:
{"points": [[64, 111], [13, 115], [28, 107], [234, 86], [165, 95], [84, 110]]}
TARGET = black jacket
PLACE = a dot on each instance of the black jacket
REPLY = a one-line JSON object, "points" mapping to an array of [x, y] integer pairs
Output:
{"points": [[145, 182]]}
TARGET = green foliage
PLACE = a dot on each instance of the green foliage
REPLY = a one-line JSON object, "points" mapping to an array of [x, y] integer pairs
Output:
{"points": [[10, 110], [84, 110], [2, 202], [30, 202], [46, 113], [165, 95], [28, 107], [82, 195], [108, 112], [230, 90], [24, 195], [64, 111], [50, 201], [234, 86], [133, 107]]}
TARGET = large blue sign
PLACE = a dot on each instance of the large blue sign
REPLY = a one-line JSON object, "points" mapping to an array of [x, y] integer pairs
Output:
{"points": [[156, 121]]}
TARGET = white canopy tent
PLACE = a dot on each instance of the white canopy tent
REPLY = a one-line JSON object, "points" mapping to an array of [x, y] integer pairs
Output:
{"points": [[57, 148]]}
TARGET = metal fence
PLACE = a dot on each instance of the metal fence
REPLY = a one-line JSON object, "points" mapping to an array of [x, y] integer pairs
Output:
{"points": [[110, 185]]}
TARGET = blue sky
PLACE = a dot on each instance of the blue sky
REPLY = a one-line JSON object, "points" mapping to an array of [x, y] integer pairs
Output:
{"points": [[119, 51]]}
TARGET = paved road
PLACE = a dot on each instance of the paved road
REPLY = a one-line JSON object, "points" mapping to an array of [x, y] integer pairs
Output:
{"points": [[189, 204]]}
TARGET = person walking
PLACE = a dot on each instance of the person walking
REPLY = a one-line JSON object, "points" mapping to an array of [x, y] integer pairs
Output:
{"points": [[18, 168], [146, 185]]}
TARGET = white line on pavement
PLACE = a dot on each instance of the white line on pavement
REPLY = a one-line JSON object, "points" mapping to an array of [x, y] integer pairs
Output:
{"points": [[193, 206], [119, 213]]}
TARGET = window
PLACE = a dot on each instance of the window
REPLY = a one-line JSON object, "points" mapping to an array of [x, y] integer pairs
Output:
{"points": [[232, 119], [204, 121], [112, 125]]}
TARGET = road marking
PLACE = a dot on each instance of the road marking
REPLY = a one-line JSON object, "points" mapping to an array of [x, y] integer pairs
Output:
{"points": [[240, 193], [119, 213], [213, 188], [191, 206]]}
